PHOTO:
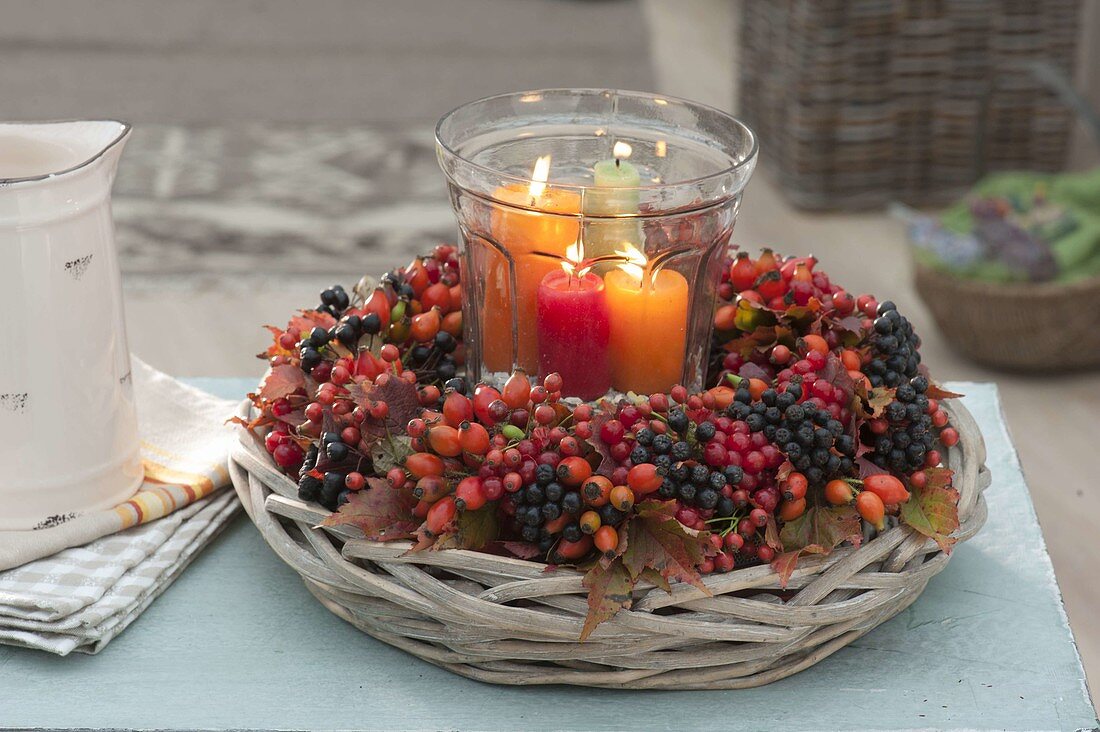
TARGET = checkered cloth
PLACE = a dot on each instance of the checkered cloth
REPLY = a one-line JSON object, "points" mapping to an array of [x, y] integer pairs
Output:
{"points": [[112, 564]]}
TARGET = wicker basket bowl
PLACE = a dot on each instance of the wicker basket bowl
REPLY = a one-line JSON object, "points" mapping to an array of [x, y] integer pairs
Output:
{"points": [[1025, 327], [510, 621]]}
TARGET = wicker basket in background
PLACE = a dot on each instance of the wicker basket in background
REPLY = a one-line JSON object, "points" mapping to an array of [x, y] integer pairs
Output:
{"points": [[863, 103], [510, 621], [1047, 327]]}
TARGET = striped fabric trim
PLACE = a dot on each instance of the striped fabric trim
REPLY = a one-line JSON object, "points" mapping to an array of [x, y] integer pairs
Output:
{"points": [[165, 490]]}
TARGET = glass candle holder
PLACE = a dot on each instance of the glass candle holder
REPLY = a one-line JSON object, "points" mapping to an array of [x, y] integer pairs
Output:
{"points": [[594, 225]]}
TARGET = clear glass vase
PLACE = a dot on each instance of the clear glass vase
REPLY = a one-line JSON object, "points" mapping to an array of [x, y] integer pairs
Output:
{"points": [[593, 225]]}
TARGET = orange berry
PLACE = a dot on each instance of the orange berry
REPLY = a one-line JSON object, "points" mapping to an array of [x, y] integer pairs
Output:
{"points": [[644, 479], [440, 514], [420, 464], [425, 325], [790, 510], [572, 550], [851, 359], [606, 540], [443, 439], [839, 492], [724, 317], [469, 494], [886, 487], [574, 470], [437, 296], [452, 323], [795, 486], [474, 438], [596, 491], [815, 343], [589, 522], [757, 387], [516, 390], [872, 509], [622, 497]]}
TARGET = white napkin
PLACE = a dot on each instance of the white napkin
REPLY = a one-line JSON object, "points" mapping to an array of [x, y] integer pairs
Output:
{"points": [[76, 585]]}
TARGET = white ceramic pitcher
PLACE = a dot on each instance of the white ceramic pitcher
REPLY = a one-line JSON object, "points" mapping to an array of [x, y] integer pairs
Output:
{"points": [[68, 429]]}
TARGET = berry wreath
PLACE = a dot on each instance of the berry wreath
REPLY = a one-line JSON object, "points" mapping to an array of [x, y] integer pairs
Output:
{"points": [[744, 532]]}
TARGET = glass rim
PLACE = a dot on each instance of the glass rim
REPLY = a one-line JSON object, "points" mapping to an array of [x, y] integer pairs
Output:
{"points": [[747, 160]]}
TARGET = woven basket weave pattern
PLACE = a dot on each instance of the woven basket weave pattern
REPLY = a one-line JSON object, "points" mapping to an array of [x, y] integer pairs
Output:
{"points": [[509, 621], [869, 102], [1027, 327]]}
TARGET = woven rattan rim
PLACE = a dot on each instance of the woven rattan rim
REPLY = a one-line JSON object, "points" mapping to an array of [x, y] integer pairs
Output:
{"points": [[509, 621]]}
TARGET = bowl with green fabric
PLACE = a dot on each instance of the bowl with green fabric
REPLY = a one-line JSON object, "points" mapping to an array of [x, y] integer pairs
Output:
{"points": [[1011, 273]]}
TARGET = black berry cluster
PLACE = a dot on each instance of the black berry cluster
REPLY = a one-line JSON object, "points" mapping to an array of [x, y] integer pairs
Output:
{"points": [[894, 348]]}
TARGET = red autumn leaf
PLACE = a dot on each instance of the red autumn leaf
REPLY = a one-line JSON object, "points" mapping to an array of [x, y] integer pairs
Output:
{"points": [[805, 316], [275, 349], [868, 468], [424, 539], [307, 320], [751, 370], [784, 565], [938, 392], [379, 511], [934, 509], [849, 324], [520, 549], [470, 530], [281, 381], [609, 591], [398, 394], [771, 535], [760, 339], [655, 539], [818, 531], [834, 373]]}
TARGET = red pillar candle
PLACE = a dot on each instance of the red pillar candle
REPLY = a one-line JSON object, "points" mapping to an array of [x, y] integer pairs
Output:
{"points": [[573, 333]]}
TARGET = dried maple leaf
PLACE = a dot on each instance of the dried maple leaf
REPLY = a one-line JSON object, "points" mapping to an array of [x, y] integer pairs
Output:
{"points": [[938, 392], [655, 539], [818, 531], [471, 530], [398, 394], [520, 549], [751, 370], [760, 339], [390, 452], [934, 509], [379, 511], [874, 402], [868, 468], [281, 381], [834, 373], [609, 591], [307, 320]]}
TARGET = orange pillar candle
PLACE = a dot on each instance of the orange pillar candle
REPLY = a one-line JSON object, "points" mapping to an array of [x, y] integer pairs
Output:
{"points": [[522, 233], [649, 315]]}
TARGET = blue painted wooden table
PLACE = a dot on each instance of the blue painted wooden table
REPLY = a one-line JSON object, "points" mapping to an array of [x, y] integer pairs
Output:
{"points": [[238, 643]]}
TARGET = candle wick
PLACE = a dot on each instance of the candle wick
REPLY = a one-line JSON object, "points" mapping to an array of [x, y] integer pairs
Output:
{"points": [[617, 162]]}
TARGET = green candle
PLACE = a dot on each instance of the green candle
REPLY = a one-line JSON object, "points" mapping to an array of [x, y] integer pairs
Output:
{"points": [[615, 193]]}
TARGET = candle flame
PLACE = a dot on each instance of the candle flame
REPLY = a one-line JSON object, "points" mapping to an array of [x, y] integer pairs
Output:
{"points": [[539, 176], [622, 150], [574, 258], [636, 261]]}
